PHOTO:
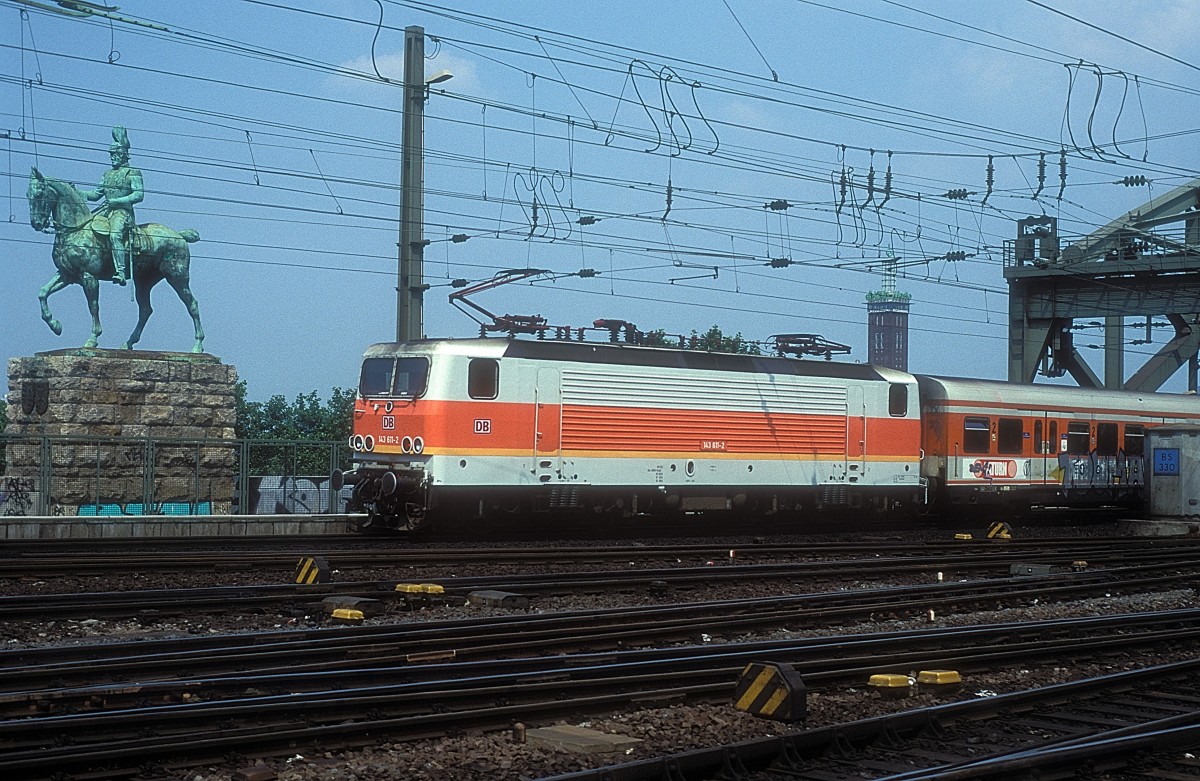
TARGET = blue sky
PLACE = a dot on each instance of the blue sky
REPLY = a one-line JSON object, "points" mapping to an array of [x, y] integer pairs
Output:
{"points": [[265, 127]]}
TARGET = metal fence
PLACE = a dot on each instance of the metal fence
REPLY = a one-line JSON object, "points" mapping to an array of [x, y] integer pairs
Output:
{"points": [[67, 475]]}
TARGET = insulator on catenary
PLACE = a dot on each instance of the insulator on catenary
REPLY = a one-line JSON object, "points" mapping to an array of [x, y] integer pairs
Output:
{"points": [[1041, 175], [887, 183], [1062, 173], [957, 195], [870, 183], [991, 179], [781, 262], [958, 255], [459, 238], [778, 205], [1133, 181], [588, 219]]}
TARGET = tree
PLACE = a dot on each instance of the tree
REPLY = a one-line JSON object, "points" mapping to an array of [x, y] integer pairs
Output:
{"points": [[300, 430], [712, 340]]}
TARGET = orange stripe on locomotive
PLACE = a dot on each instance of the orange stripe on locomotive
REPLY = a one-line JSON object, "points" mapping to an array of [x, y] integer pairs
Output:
{"points": [[454, 427]]}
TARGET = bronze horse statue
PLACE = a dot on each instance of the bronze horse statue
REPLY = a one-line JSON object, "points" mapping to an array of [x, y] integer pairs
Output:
{"points": [[83, 256]]}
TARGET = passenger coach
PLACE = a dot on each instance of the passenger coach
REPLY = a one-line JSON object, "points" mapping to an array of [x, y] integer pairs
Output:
{"points": [[999, 443]]}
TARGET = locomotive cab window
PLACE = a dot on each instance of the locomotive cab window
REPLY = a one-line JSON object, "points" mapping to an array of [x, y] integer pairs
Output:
{"points": [[1106, 439], [976, 435], [1079, 439], [411, 376], [1135, 439], [376, 376], [1010, 436], [898, 400], [483, 378]]}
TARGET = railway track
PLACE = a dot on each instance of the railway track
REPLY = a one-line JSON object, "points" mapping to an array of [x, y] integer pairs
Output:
{"points": [[356, 705], [1143, 721], [26, 673], [1153, 564], [44, 559]]}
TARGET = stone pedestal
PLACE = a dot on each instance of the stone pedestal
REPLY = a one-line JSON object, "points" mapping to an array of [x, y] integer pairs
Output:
{"points": [[91, 430]]}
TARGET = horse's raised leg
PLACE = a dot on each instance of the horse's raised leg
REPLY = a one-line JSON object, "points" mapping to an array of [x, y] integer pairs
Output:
{"points": [[91, 290], [55, 284], [185, 295], [141, 287]]}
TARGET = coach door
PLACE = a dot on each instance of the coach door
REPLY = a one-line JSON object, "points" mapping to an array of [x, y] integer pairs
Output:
{"points": [[547, 427], [856, 433], [1044, 457]]}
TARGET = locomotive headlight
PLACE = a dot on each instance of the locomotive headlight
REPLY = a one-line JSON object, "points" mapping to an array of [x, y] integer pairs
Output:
{"points": [[406, 445], [359, 443], [369, 442], [418, 445], [350, 442]]}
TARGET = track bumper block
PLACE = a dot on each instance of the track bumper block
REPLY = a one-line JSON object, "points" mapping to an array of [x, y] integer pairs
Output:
{"points": [[313, 569], [892, 685], [940, 682], [771, 691], [418, 595], [345, 615]]}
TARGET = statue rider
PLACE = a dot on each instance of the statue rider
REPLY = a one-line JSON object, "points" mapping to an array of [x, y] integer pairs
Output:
{"points": [[121, 188]]}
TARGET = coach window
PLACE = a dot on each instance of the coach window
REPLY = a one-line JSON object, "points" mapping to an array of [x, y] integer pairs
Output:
{"points": [[1010, 433], [411, 376], [1106, 439], [1079, 441], [483, 378], [1040, 445], [1135, 439], [898, 400], [1054, 446], [976, 435], [376, 376]]}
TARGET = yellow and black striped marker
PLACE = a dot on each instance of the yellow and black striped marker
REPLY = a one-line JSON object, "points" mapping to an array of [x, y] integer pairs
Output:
{"points": [[771, 691], [313, 569], [999, 531]]}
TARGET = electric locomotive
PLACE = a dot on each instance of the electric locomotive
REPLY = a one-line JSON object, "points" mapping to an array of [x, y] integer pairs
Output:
{"points": [[488, 427]]}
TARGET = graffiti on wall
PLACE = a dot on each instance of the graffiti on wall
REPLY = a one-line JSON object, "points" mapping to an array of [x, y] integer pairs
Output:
{"points": [[287, 495], [17, 496]]}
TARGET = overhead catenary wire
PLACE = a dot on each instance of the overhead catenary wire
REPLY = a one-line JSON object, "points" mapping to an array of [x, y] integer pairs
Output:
{"points": [[714, 226]]}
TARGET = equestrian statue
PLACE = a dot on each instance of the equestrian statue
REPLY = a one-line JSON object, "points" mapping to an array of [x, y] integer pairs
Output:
{"points": [[109, 244]]}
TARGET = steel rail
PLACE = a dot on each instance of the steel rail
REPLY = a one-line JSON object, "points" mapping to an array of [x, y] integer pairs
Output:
{"points": [[409, 710], [837, 748], [567, 631], [23, 560], [163, 602]]}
